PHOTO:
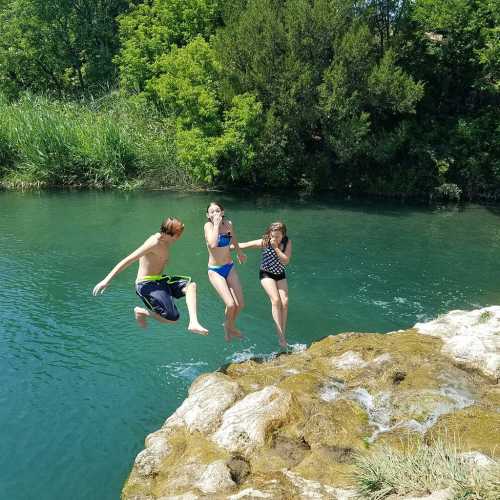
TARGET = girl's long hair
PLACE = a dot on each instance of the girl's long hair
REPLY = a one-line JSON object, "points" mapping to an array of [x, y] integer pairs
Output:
{"points": [[217, 204], [275, 226]]}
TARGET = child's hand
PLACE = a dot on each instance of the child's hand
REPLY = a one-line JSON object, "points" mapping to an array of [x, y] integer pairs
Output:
{"points": [[100, 287], [242, 258], [274, 243], [217, 219]]}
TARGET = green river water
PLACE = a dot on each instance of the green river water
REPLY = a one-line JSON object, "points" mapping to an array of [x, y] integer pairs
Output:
{"points": [[81, 386]]}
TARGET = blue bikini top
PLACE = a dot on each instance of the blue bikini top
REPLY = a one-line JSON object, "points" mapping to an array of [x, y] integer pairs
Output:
{"points": [[224, 240]]}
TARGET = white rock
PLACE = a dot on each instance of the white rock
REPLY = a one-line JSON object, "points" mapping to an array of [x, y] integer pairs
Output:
{"points": [[383, 358], [342, 494], [209, 397], [477, 458], [436, 495], [246, 425], [331, 390], [249, 493], [148, 461], [186, 475], [472, 337], [312, 489], [348, 360], [185, 496], [216, 478]]}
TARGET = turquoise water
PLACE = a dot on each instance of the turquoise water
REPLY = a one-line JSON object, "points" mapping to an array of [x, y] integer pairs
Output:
{"points": [[81, 386]]}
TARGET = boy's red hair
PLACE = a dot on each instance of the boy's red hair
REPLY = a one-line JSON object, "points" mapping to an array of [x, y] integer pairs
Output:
{"points": [[172, 226]]}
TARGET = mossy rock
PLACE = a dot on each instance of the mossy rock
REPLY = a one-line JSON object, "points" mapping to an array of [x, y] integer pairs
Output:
{"points": [[342, 424], [283, 453], [490, 397], [323, 465], [470, 429], [398, 439], [303, 385]]}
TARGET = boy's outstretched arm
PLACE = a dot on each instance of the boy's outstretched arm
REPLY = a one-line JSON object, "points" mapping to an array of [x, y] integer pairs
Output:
{"points": [[123, 264]]}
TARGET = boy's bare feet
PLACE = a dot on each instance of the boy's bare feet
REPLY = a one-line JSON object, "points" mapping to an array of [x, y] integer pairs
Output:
{"points": [[140, 317], [195, 327]]}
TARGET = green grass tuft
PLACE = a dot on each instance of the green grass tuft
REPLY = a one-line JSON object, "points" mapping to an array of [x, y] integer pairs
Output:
{"points": [[421, 469]]}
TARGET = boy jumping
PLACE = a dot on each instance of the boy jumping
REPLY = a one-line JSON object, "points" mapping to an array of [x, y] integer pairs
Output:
{"points": [[156, 290]]}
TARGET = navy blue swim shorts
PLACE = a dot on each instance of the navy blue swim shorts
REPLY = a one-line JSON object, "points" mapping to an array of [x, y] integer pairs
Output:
{"points": [[158, 293]]}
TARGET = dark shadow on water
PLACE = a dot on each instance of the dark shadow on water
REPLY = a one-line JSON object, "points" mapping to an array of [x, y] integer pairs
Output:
{"points": [[282, 200], [328, 201], [493, 209]]}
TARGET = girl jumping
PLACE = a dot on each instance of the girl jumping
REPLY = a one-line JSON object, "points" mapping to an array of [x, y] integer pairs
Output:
{"points": [[220, 236], [276, 252]]}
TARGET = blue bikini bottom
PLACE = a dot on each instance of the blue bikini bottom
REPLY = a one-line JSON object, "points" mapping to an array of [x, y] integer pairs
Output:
{"points": [[222, 270]]}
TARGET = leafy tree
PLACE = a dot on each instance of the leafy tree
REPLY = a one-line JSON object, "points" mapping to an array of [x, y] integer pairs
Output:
{"points": [[456, 50], [322, 77], [187, 85], [151, 28], [58, 46], [214, 140]]}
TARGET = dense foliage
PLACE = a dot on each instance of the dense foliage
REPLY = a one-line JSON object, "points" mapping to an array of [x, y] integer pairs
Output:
{"points": [[396, 97]]}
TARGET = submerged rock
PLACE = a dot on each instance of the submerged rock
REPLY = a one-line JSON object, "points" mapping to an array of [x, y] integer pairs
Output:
{"points": [[292, 426]]}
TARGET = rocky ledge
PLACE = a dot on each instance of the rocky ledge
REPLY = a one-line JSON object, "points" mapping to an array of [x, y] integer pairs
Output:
{"points": [[293, 426]]}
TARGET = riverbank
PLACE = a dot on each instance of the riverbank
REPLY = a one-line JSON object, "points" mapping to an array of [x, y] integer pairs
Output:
{"points": [[316, 421], [123, 144]]}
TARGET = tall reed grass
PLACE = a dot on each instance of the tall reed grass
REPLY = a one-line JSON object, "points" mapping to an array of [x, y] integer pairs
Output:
{"points": [[419, 469], [107, 143]]}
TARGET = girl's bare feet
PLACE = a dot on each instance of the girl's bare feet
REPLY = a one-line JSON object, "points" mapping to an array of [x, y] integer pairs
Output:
{"points": [[140, 317], [282, 341], [235, 333], [195, 327]]}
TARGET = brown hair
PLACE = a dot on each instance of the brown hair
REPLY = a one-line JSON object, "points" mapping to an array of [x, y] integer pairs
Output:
{"points": [[172, 226], [216, 203], [275, 226]]}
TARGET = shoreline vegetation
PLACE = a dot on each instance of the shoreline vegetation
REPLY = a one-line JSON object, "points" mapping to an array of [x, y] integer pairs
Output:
{"points": [[385, 98]]}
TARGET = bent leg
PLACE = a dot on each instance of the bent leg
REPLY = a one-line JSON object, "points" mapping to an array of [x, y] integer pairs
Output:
{"points": [[142, 314], [194, 325], [271, 289]]}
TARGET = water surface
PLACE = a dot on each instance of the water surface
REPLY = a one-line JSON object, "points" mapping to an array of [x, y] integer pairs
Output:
{"points": [[81, 386]]}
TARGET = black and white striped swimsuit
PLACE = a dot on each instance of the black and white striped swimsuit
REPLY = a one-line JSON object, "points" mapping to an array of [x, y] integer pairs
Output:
{"points": [[270, 264]]}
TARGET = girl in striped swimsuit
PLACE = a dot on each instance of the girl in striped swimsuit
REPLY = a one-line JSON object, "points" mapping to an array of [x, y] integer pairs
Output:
{"points": [[276, 252]]}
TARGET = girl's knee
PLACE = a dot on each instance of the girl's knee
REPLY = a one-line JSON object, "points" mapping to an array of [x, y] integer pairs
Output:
{"points": [[231, 306], [284, 302], [275, 301]]}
